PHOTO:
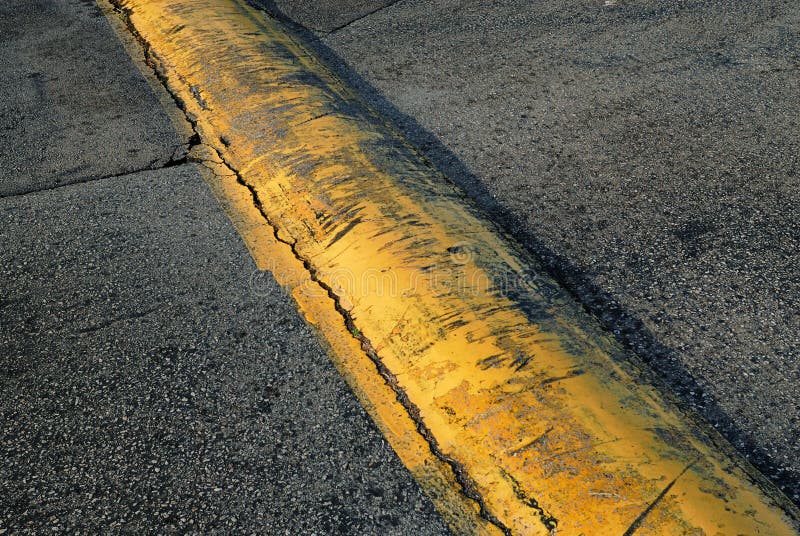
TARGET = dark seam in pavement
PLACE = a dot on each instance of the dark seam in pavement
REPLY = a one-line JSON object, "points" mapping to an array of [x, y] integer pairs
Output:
{"points": [[468, 488], [362, 17], [168, 164], [638, 521], [275, 12], [320, 116], [124, 318]]}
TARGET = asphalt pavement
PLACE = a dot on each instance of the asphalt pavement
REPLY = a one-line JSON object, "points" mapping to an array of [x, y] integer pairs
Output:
{"points": [[72, 106], [648, 152], [152, 379]]}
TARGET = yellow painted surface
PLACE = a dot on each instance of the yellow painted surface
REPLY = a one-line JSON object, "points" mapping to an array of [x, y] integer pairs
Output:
{"points": [[513, 410]]}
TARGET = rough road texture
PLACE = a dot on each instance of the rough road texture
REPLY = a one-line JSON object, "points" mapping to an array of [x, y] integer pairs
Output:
{"points": [[647, 151]]}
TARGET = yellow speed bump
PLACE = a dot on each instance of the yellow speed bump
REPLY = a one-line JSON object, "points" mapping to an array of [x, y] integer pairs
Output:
{"points": [[513, 409]]}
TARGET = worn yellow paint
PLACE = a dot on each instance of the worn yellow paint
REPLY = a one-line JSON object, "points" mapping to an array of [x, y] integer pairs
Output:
{"points": [[515, 412]]}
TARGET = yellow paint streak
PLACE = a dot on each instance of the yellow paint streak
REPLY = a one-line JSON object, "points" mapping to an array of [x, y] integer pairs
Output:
{"points": [[514, 386]]}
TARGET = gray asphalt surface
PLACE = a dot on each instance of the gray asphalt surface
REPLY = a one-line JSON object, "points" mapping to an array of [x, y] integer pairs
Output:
{"points": [[69, 112], [151, 379], [648, 152]]}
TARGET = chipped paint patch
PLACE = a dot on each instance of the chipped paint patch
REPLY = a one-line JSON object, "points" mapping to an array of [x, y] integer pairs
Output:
{"points": [[510, 406]]}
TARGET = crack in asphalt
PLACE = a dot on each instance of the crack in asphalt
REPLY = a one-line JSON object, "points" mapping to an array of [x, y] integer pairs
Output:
{"points": [[116, 320], [362, 17], [270, 7], [152, 166]]}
